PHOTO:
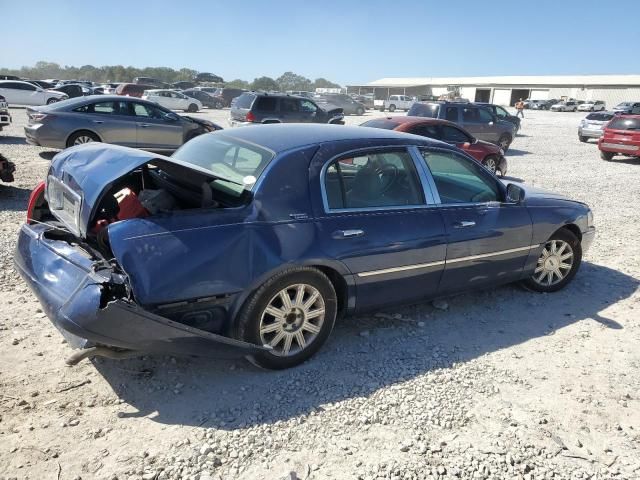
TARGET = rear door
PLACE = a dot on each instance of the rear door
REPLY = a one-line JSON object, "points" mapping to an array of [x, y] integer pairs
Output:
{"points": [[379, 221], [111, 121], [154, 130], [290, 110], [488, 240]]}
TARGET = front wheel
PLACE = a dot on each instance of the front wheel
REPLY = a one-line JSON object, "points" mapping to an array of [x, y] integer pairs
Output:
{"points": [[608, 156], [52, 100], [582, 138], [558, 263], [504, 141], [360, 111], [293, 312], [392, 108]]}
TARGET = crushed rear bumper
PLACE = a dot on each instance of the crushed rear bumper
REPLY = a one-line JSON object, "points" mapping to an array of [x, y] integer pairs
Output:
{"points": [[77, 294]]}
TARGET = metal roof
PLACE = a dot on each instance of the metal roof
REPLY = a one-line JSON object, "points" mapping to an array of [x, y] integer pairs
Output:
{"points": [[531, 80]]}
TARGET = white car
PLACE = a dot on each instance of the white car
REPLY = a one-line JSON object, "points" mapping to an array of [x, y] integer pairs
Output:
{"points": [[592, 106], [395, 102], [568, 106], [25, 93], [172, 100]]}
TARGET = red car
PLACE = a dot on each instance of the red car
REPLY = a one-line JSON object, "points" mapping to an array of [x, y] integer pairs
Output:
{"points": [[620, 136], [488, 154]]}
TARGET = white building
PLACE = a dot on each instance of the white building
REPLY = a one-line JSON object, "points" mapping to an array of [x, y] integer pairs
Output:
{"points": [[506, 90]]}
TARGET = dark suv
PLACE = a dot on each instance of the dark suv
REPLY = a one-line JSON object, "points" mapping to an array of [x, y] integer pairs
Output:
{"points": [[254, 107], [476, 119]]}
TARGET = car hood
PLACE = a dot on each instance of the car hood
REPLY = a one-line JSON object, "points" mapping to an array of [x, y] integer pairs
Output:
{"points": [[90, 169], [201, 121], [534, 196], [331, 109]]}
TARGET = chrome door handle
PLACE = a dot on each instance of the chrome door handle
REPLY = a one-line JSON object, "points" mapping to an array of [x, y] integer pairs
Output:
{"points": [[348, 233], [464, 224], [98, 121], [143, 125]]}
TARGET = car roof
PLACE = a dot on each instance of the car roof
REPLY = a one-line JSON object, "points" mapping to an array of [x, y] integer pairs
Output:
{"points": [[410, 119], [283, 137], [79, 101]]}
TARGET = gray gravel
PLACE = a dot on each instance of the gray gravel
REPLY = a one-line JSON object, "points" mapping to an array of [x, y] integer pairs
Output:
{"points": [[500, 384]]}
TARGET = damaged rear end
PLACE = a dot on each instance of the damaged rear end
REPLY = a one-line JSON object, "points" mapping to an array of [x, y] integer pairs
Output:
{"points": [[64, 254]]}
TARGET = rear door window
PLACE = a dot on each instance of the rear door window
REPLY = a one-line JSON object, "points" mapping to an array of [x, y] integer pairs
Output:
{"points": [[289, 105], [266, 104], [373, 180], [454, 135], [452, 114], [430, 131]]}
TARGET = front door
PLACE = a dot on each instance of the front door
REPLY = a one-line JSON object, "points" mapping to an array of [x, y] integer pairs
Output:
{"points": [[154, 130], [377, 221], [112, 122], [488, 240]]}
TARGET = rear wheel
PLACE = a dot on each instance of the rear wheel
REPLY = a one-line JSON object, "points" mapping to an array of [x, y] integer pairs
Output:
{"points": [[558, 263], [82, 137], [360, 111], [608, 156], [293, 312], [491, 162], [192, 108], [219, 105], [392, 108], [582, 138]]}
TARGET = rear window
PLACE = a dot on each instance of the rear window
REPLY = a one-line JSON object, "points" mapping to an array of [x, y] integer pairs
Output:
{"points": [[430, 110], [266, 104], [244, 101], [600, 117], [622, 123], [380, 123]]}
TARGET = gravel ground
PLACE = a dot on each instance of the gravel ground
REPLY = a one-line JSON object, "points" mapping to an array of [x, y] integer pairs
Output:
{"points": [[501, 384]]}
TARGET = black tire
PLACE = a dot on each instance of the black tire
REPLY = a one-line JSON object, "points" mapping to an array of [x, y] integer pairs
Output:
{"points": [[505, 141], [569, 237], [583, 139], [219, 105], [392, 108], [192, 108], [360, 111], [492, 163], [51, 100], [608, 156], [247, 327], [75, 138]]}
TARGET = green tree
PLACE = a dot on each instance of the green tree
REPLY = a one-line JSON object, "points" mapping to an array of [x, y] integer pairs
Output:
{"points": [[324, 83], [293, 81], [238, 83], [264, 83]]}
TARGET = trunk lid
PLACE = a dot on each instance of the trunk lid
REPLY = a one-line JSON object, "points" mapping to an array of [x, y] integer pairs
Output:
{"points": [[79, 175]]}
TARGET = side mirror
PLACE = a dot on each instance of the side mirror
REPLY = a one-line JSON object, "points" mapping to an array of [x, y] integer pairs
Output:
{"points": [[515, 194], [171, 117]]}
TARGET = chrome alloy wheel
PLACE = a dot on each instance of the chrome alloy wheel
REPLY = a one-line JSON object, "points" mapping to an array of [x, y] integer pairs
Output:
{"points": [[292, 320], [491, 164], [554, 263], [83, 139]]}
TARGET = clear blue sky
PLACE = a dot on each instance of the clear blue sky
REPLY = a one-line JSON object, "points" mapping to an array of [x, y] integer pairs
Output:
{"points": [[344, 41]]}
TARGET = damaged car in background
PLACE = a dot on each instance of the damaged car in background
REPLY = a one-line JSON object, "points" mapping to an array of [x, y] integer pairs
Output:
{"points": [[126, 121], [252, 241]]}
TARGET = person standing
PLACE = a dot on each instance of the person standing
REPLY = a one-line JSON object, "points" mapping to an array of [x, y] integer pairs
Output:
{"points": [[520, 108]]}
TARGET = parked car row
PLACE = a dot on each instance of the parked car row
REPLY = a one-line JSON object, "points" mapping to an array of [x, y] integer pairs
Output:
{"points": [[621, 136], [24, 93]]}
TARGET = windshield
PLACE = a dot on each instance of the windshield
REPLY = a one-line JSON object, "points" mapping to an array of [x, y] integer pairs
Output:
{"points": [[237, 164], [622, 123]]}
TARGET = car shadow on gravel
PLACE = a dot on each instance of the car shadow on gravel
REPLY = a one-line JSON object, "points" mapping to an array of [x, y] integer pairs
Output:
{"points": [[48, 155], [13, 199], [12, 140], [364, 354], [513, 152]]}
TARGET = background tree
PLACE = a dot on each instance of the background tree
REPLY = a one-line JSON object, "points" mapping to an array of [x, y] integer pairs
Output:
{"points": [[237, 83], [293, 81], [324, 83], [264, 83]]}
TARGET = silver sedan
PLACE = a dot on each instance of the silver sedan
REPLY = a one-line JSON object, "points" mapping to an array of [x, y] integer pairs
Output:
{"points": [[126, 121]]}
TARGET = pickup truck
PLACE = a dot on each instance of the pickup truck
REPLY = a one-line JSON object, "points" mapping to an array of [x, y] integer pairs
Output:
{"points": [[5, 116], [395, 102]]}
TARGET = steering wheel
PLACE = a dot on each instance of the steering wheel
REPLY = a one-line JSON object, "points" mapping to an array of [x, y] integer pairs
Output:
{"points": [[387, 176], [482, 196]]}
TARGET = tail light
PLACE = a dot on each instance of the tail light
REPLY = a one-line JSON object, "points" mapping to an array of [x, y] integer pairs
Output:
{"points": [[250, 117], [36, 198], [38, 117]]}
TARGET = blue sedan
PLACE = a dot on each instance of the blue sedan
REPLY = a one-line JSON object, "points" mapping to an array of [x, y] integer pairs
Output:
{"points": [[253, 241]]}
